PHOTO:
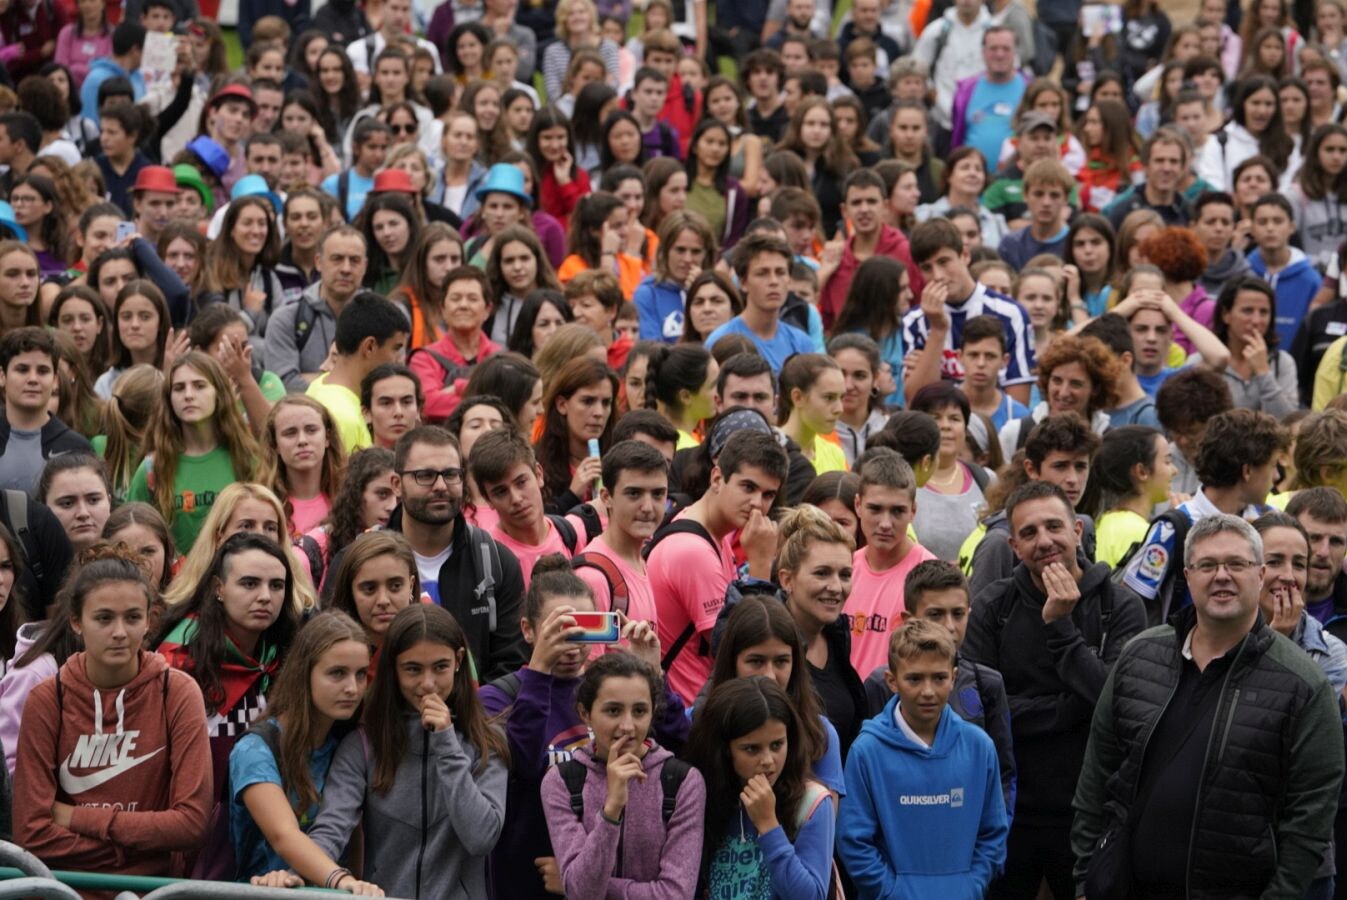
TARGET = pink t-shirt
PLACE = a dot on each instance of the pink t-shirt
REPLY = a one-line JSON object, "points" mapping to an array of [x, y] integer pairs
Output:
{"points": [[309, 514], [528, 554], [688, 580], [640, 598], [483, 517], [875, 607]]}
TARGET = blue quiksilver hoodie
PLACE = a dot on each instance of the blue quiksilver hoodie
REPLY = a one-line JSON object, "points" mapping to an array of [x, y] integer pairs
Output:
{"points": [[922, 822], [1295, 287]]}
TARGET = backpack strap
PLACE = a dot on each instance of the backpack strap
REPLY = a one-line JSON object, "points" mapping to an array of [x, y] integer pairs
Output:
{"points": [[681, 526], [671, 777], [677, 647], [452, 370], [569, 537], [344, 191], [617, 585], [486, 562], [573, 774], [508, 685], [305, 318], [314, 554], [16, 508], [814, 795]]}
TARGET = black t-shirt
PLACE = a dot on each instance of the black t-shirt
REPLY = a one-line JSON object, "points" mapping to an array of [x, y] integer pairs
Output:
{"points": [[1171, 776], [838, 704]]}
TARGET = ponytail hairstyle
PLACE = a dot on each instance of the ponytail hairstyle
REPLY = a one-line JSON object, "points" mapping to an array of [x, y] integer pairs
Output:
{"points": [[291, 698], [334, 457], [733, 709], [800, 371], [165, 432], [384, 717], [126, 419], [803, 526], [1119, 453], [206, 648], [553, 576], [671, 370]]}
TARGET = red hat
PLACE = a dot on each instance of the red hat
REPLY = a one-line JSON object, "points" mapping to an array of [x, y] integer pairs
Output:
{"points": [[156, 178], [234, 92], [393, 181]]}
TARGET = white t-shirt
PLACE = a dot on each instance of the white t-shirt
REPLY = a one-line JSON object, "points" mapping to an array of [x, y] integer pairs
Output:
{"points": [[428, 570]]}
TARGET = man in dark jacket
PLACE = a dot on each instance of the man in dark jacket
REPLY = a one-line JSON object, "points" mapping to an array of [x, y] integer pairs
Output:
{"points": [[452, 556], [29, 434], [1217, 739], [1053, 629]]}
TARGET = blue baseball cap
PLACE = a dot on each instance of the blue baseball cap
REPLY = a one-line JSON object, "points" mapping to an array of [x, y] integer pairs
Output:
{"points": [[256, 186], [7, 220]]}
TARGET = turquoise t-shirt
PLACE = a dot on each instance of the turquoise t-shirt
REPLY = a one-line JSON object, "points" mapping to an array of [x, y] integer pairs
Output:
{"points": [[989, 113], [251, 762]]}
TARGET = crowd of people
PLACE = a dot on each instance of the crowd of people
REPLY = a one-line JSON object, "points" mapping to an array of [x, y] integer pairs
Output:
{"points": [[478, 450]]}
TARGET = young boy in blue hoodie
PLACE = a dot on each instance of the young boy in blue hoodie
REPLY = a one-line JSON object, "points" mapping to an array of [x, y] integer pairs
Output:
{"points": [[1286, 268], [923, 815]]}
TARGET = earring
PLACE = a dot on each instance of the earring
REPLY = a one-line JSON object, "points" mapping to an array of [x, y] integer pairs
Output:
{"points": [[590, 731]]}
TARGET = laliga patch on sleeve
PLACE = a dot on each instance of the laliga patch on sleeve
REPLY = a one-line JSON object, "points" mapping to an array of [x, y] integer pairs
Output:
{"points": [[1154, 560]]}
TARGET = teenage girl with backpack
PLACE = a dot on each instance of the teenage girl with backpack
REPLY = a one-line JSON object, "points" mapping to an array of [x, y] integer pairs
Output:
{"points": [[135, 812], [278, 770], [426, 775], [543, 725], [769, 826], [1134, 471], [198, 444], [637, 826]]}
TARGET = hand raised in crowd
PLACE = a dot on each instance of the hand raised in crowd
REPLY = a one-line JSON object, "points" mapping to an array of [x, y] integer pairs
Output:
{"points": [[760, 803], [933, 298], [587, 472], [236, 358], [1071, 274], [1255, 353], [178, 343], [623, 766], [1062, 591], [562, 167], [1288, 603], [759, 542], [611, 240], [552, 638]]}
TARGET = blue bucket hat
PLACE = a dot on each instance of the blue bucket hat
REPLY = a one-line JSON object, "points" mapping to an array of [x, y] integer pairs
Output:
{"points": [[212, 154], [7, 220], [256, 186], [504, 178]]}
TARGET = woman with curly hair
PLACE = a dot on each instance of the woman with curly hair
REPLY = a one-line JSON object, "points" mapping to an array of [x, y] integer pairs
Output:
{"points": [[1181, 258], [1075, 374]]}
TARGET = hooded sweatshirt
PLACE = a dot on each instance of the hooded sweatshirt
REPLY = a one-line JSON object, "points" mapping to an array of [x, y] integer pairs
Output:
{"points": [[922, 821], [770, 865], [430, 834], [544, 729], [1295, 285], [639, 856], [1229, 265], [100, 71], [659, 307], [134, 762], [18, 684]]}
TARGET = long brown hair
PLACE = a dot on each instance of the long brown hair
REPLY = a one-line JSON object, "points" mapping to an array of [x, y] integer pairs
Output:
{"points": [[225, 269], [414, 287], [291, 699], [165, 432], [126, 418], [368, 546], [384, 717], [99, 352], [554, 446], [837, 158], [80, 407], [334, 457]]}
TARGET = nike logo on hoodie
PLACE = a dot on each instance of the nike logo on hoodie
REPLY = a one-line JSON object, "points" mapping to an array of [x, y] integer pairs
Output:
{"points": [[111, 752]]}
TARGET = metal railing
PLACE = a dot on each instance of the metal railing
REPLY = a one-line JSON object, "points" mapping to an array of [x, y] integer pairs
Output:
{"points": [[43, 888]]}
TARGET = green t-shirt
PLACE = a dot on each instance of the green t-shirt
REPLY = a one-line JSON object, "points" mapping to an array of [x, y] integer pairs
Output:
{"points": [[345, 408], [196, 484], [100, 445], [272, 387], [708, 203]]}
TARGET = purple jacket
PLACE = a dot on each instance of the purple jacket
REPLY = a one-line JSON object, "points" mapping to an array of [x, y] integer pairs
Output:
{"points": [[1202, 308], [738, 211], [661, 863], [543, 729], [963, 93]]}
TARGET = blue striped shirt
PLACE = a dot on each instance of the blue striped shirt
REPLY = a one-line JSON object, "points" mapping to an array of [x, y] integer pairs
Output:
{"points": [[983, 302]]}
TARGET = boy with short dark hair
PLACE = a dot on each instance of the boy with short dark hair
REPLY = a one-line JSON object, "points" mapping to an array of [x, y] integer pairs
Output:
{"points": [[1047, 185], [1286, 268], [762, 73], [924, 814], [510, 479], [886, 503], [762, 261], [983, 355], [29, 433], [648, 93], [371, 330], [862, 65]]}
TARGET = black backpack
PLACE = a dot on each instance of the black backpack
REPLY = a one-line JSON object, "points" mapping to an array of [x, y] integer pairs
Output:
{"points": [[671, 778], [16, 510], [1174, 582]]}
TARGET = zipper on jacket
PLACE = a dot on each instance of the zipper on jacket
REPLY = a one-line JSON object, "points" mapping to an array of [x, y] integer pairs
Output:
{"points": [[421, 850], [1229, 721]]}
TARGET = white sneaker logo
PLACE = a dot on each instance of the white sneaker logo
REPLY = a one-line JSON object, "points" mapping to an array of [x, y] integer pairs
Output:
{"points": [[109, 752]]}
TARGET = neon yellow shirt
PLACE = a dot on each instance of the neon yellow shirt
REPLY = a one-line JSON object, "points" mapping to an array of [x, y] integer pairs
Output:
{"points": [[1115, 533], [345, 408]]}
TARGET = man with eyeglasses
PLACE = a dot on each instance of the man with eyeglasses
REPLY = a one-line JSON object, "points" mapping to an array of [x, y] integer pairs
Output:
{"points": [[1236, 464], [455, 559], [1216, 753], [1053, 630]]}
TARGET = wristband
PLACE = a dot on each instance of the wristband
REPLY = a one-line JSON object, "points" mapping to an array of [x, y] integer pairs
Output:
{"points": [[617, 821], [335, 876]]}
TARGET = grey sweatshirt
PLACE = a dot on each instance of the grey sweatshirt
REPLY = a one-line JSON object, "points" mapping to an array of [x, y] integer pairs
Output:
{"points": [[430, 835]]}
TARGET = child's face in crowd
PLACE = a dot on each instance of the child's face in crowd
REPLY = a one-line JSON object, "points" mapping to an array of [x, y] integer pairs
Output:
{"points": [[1272, 228], [923, 683], [621, 716], [662, 62], [818, 589], [910, 87], [636, 502], [427, 668], [947, 608], [517, 497], [862, 71], [378, 501], [393, 411], [858, 378], [998, 279], [885, 513], [771, 659], [748, 490], [649, 97], [338, 680], [1069, 471], [113, 623], [821, 405], [982, 362], [794, 55], [762, 751], [804, 289], [1038, 296]]}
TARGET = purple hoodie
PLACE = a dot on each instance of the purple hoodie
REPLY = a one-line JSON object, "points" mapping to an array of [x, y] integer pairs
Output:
{"points": [[17, 684], [543, 729], [661, 863]]}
